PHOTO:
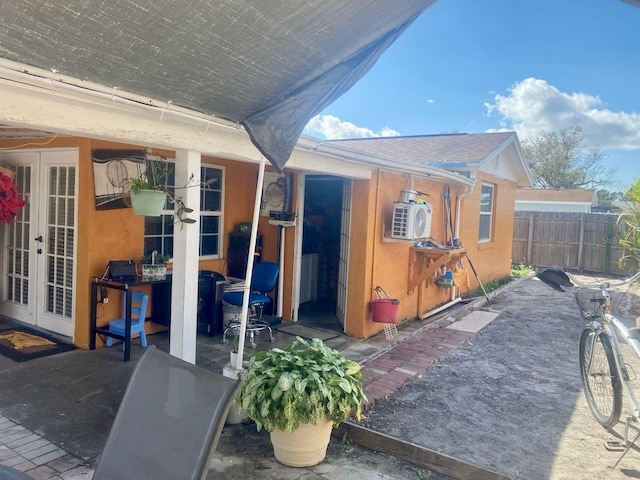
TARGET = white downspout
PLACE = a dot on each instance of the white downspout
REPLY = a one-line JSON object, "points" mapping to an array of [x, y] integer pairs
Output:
{"points": [[454, 291], [459, 206]]}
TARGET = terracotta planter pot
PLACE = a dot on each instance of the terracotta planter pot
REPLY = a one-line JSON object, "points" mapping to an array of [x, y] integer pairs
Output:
{"points": [[304, 447], [148, 203]]}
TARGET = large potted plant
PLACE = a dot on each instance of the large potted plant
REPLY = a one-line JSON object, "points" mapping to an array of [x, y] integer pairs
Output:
{"points": [[297, 394]]}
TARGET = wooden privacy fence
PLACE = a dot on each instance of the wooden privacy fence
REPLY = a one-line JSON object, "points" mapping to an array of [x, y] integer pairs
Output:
{"points": [[575, 241]]}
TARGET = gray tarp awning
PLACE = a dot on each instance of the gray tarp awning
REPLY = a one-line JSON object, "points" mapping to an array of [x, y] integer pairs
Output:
{"points": [[268, 65]]}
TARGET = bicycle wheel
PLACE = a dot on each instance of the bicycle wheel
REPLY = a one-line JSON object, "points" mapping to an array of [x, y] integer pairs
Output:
{"points": [[600, 378]]}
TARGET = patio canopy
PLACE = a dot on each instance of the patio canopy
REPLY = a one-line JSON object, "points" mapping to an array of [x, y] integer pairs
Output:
{"points": [[269, 66]]}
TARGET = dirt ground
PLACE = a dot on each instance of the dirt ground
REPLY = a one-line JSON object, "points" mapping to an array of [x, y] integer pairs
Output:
{"points": [[511, 401]]}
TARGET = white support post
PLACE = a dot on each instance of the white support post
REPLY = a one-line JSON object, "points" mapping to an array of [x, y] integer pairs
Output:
{"points": [[186, 238], [281, 274]]}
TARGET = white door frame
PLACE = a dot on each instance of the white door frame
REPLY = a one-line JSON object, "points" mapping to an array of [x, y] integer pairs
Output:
{"points": [[344, 255], [343, 269], [297, 250], [51, 253]]}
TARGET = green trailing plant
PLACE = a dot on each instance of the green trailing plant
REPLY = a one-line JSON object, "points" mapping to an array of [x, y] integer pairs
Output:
{"points": [[300, 384]]}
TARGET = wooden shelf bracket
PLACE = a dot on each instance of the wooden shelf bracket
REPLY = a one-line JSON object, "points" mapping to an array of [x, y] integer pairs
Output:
{"points": [[423, 262]]}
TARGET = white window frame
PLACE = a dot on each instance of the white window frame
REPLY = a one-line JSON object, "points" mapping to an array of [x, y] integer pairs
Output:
{"points": [[486, 215], [214, 213], [168, 216]]}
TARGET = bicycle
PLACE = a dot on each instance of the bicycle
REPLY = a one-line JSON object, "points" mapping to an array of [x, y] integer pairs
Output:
{"points": [[605, 374]]}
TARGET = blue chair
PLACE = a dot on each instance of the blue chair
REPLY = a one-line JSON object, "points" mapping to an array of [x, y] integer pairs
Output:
{"points": [[139, 302], [263, 281]]}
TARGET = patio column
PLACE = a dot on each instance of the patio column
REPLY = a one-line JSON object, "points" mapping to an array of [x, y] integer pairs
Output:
{"points": [[184, 291]]}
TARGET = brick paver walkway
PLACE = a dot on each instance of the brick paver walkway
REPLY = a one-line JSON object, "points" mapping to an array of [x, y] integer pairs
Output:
{"points": [[382, 375], [28, 452]]}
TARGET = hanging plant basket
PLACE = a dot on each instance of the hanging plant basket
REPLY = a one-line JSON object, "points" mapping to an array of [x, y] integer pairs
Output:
{"points": [[383, 308], [148, 203], [10, 201]]}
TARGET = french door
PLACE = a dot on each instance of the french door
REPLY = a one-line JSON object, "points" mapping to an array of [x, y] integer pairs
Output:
{"points": [[38, 253]]}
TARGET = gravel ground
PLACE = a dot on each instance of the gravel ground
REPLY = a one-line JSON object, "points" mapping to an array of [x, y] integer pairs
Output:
{"points": [[511, 401]]}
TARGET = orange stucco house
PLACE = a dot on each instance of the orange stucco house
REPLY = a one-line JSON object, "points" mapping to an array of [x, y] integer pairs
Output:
{"points": [[340, 249], [218, 98]]}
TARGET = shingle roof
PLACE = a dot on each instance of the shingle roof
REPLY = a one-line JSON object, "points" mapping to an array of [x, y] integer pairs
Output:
{"points": [[555, 195], [447, 148]]}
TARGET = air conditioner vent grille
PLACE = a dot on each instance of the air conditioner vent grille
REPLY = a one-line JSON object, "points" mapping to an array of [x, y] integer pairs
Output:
{"points": [[411, 221]]}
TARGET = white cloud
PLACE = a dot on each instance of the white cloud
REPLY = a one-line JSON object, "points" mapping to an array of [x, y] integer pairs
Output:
{"points": [[332, 128], [533, 106]]}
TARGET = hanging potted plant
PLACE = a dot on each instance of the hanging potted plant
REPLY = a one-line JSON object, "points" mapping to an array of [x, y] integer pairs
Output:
{"points": [[149, 191], [297, 394], [10, 203]]}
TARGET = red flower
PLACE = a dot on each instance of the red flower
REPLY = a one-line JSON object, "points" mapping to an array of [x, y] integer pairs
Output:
{"points": [[10, 204]]}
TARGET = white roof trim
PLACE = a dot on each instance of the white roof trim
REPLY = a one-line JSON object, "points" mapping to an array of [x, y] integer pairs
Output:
{"points": [[37, 102]]}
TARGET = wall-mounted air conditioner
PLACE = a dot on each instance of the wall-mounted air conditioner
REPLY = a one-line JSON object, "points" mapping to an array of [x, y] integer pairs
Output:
{"points": [[411, 221]]}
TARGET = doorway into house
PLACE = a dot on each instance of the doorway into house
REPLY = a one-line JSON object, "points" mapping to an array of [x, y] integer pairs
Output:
{"points": [[326, 221], [38, 248]]}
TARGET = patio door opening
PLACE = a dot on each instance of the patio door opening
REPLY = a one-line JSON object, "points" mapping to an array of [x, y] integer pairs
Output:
{"points": [[38, 248], [324, 267]]}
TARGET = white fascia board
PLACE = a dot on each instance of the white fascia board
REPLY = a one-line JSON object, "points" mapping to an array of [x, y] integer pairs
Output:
{"points": [[54, 103], [522, 167], [311, 161], [73, 111], [35, 102]]}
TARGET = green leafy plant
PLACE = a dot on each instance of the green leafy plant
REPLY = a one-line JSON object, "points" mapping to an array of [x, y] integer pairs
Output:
{"points": [[521, 270], [160, 259], [153, 174], [492, 285], [302, 383], [629, 236]]}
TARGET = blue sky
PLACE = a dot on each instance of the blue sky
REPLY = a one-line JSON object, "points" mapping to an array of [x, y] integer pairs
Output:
{"points": [[484, 65]]}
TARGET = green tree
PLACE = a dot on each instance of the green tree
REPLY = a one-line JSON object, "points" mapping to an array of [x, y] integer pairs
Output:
{"points": [[604, 194], [558, 160]]}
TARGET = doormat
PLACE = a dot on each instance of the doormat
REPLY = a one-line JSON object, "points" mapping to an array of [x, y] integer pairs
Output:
{"points": [[21, 344], [307, 332]]}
